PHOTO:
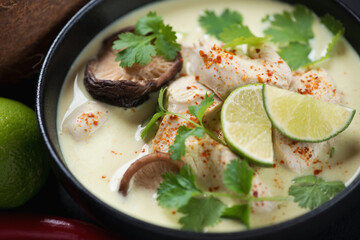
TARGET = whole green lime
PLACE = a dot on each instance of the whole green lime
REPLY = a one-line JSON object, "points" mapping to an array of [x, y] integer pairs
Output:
{"points": [[23, 163]]}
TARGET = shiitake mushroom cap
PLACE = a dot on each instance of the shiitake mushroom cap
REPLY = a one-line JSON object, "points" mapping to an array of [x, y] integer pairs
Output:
{"points": [[108, 82], [147, 171]]}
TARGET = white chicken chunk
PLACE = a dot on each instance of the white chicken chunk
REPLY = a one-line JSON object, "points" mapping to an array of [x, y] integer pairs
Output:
{"points": [[298, 156], [85, 120], [207, 157], [223, 71]]}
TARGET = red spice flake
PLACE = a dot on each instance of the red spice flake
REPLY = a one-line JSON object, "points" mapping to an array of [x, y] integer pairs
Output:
{"points": [[282, 162], [260, 79], [317, 171], [269, 73], [257, 50], [255, 193], [90, 115], [218, 59], [173, 212], [188, 87], [173, 117], [103, 177], [280, 61], [274, 165], [197, 78]]}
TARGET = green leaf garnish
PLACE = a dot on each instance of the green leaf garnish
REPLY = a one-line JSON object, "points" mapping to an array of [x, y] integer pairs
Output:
{"points": [[235, 31], [238, 176], [236, 35], [136, 49], [334, 25], [177, 149], [201, 212], [312, 191], [295, 54], [157, 115], [336, 28], [177, 189], [214, 25], [240, 212], [199, 110], [293, 26], [152, 37], [229, 29]]}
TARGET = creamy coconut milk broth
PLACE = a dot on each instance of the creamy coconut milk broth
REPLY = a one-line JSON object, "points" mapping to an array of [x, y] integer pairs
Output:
{"points": [[98, 161]]}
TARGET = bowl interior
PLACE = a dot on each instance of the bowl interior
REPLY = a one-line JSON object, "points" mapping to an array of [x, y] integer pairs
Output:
{"points": [[80, 30]]}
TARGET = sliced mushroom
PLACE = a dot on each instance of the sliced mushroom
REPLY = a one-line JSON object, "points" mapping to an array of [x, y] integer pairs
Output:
{"points": [[108, 82], [146, 171]]}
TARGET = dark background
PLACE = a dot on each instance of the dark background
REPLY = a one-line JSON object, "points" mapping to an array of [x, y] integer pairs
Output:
{"points": [[54, 200]]}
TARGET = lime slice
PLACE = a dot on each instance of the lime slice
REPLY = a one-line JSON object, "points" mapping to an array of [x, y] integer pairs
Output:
{"points": [[303, 118], [246, 127]]}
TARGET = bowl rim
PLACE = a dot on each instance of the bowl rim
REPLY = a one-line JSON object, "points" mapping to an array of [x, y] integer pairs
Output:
{"points": [[65, 172]]}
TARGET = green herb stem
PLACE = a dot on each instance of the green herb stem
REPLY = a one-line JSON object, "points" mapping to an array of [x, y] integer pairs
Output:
{"points": [[210, 133]]}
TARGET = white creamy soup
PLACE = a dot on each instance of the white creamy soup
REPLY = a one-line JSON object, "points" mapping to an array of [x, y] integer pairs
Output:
{"points": [[99, 160]]}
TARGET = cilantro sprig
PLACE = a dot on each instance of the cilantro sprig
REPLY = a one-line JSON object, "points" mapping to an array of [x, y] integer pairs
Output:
{"points": [[228, 27], [177, 150], [202, 208], [292, 31], [150, 38], [312, 191]]}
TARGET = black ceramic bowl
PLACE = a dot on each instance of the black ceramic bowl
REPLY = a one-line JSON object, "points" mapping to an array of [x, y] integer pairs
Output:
{"points": [[80, 30]]}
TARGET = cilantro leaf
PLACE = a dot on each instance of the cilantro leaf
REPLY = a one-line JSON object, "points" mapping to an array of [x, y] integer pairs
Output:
{"points": [[149, 24], [177, 189], [177, 149], [293, 26], [239, 212], [238, 176], [243, 40], [312, 191], [134, 49], [235, 31], [295, 54], [337, 29], [199, 110], [166, 44], [201, 212], [236, 34], [214, 24], [334, 25], [152, 37]]}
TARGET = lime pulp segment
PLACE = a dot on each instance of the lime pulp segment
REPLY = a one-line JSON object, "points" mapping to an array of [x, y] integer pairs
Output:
{"points": [[246, 127], [303, 118]]}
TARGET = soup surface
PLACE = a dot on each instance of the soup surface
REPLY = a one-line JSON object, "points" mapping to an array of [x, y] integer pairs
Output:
{"points": [[99, 161]]}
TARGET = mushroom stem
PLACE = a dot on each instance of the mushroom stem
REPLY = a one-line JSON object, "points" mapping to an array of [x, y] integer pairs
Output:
{"points": [[142, 162]]}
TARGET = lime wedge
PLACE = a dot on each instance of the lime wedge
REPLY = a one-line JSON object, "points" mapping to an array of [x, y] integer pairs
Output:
{"points": [[246, 127], [303, 118]]}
